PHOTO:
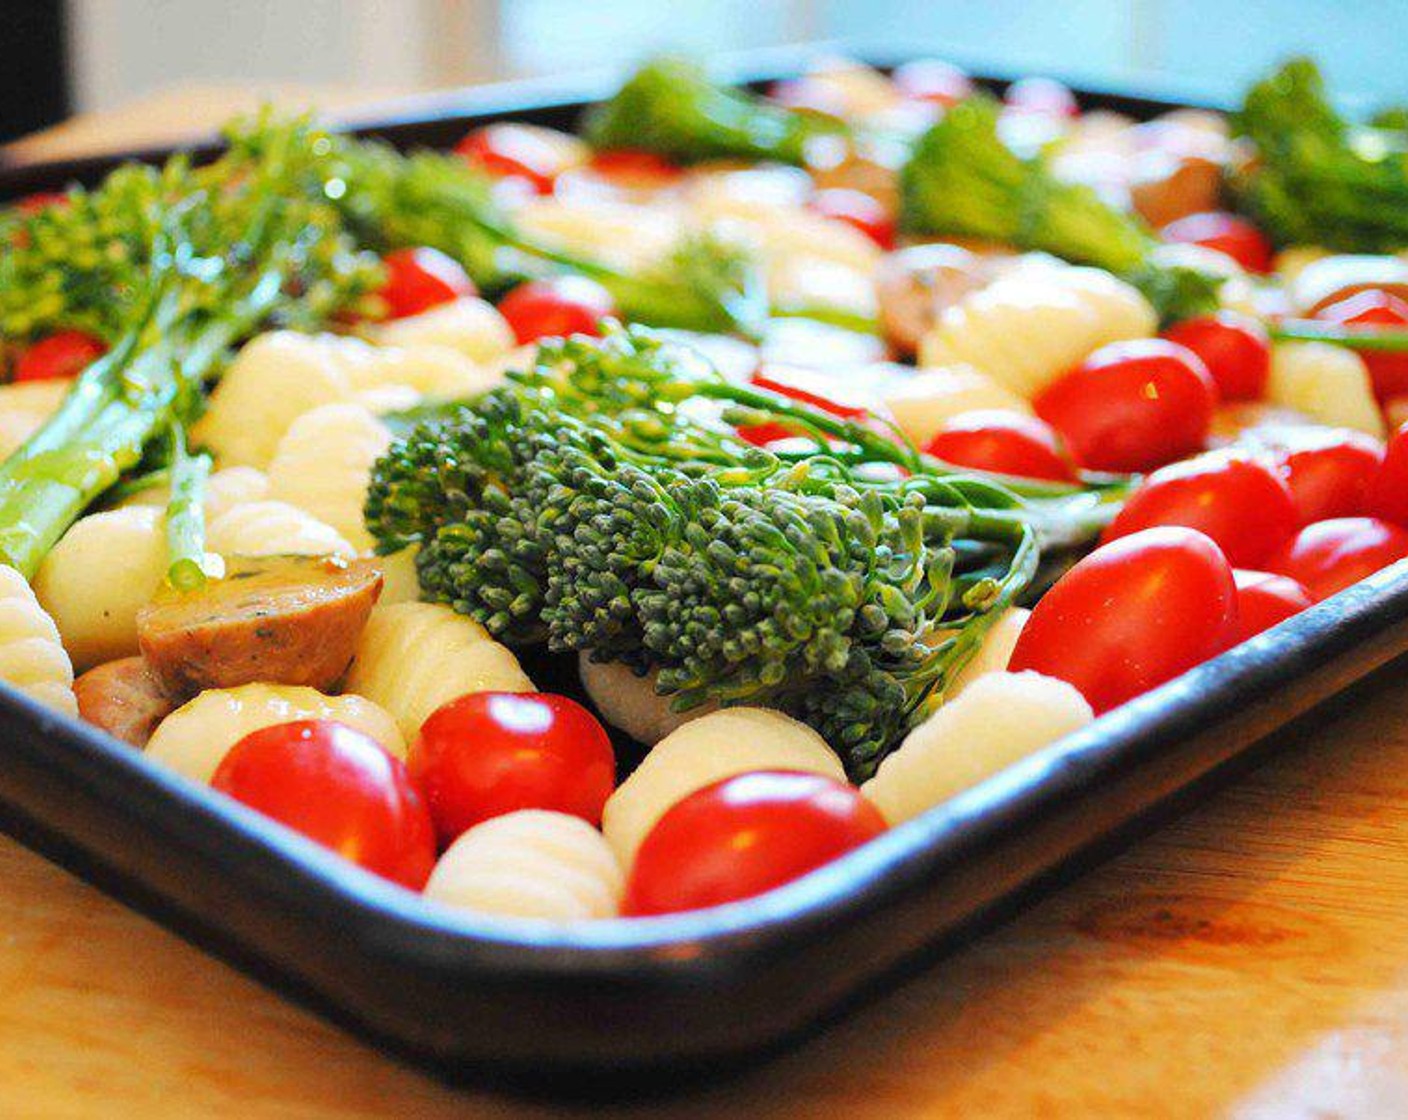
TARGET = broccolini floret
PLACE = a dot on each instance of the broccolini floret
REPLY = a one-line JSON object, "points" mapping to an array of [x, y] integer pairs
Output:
{"points": [[671, 106], [602, 502], [962, 180]]}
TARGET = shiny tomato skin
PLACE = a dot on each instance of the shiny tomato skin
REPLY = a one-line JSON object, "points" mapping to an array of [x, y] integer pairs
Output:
{"points": [[745, 835], [1234, 347], [490, 753], [1132, 615], [555, 308], [1241, 503], [339, 787], [1227, 233], [1132, 406], [858, 210], [634, 169], [419, 279], [61, 355], [1265, 599], [1004, 443], [1330, 473], [1329, 556], [808, 386], [1368, 308], [1388, 492], [510, 151], [929, 79], [42, 200]]}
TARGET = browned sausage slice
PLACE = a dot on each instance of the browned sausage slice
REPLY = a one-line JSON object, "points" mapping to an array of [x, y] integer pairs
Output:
{"points": [[277, 619], [124, 698]]}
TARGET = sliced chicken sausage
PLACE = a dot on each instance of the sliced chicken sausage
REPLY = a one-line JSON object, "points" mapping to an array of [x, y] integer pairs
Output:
{"points": [[124, 698]]}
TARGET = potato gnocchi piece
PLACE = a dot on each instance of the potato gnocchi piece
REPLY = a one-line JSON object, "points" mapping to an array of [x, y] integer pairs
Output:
{"points": [[323, 466], [1037, 321], [999, 719], [619, 234], [530, 864], [103, 570], [473, 327], [194, 738], [703, 751], [32, 656], [995, 652], [413, 657], [224, 489], [273, 528], [431, 371], [24, 406], [630, 703], [399, 581], [929, 400], [1327, 383]]}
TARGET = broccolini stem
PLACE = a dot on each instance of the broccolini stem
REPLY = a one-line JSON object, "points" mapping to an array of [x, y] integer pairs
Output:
{"points": [[185, 515], [1370, 339]]}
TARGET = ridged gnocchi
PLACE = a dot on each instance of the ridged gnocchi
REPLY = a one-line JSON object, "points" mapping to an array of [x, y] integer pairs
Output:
{"points": [[630, 702], [273, 528], [24, 406], [323, 465], [998, 719], [929, 400], [32, 656], [194, 738], [413, 657], [703, 751], [1327, 383], [473, 327], [530, 864]]}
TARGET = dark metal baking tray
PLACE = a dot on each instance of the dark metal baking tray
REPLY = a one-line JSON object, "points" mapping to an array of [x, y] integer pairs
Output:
{"points": [[617, 1002]]}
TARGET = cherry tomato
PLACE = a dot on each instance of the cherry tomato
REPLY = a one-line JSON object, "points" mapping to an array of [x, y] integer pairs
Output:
{"points": [[419, 279], [556, 308], [1234, 347], [1331, 555], [1227, 233], [745, 835], [1388, 493], [1004, 443], [61, 355], [1265, 599], [1375, 307], [1132, 406], [1041, 95], [636, 170], [858, 209], [1330, 473], [511, 151], [339, 787], [1241, 503], [801, 383], [1133, 614], [928, 79], [33, 203], [490, 753]]}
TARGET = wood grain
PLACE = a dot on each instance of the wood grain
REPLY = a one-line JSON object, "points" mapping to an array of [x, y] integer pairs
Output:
{"points": [[1249, 960]]}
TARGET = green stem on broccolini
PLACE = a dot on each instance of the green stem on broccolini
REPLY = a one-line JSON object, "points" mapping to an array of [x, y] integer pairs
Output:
{"points": [[591, 506], [185, 515]]}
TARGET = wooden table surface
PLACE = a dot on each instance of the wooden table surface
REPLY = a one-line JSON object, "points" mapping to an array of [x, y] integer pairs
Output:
{"points": [[1250, 959]]}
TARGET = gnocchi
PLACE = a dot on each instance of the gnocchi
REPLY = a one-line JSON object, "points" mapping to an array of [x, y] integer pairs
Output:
{"points": [[32, 655]]}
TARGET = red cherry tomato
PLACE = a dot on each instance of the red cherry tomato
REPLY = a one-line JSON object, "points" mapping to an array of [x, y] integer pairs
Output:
{"points": [[1133, 614], [1388, 493], [1227, 233], [1234, 347], [419, 279], [1041, 95], [636, 170], [62, 355], [339, 787], [1265, 599], [1004, 443], [928, 79], [858, 209], [490, 753], [556, 308], [1331, 555], [743, 836], [511, 151], [1330, 473], [811, 387], [1132, 406], [1375, 307], [1241, 503], [33, 203]]}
